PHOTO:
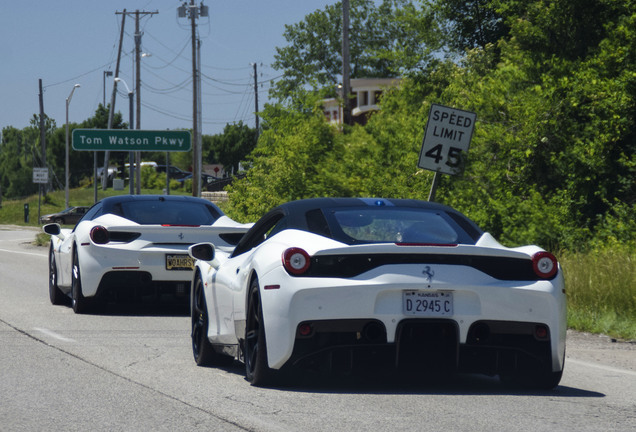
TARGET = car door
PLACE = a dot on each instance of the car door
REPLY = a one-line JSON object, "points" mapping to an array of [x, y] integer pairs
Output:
{"points": [[64, 253], [64, 250], [232, 278]]}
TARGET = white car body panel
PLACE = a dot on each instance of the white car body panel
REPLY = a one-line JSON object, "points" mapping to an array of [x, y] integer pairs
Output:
{"points": [[377, 293], [147, 253]]}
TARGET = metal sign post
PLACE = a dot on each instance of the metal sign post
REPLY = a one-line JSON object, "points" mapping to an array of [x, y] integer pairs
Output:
{"points": [[40, 176]]}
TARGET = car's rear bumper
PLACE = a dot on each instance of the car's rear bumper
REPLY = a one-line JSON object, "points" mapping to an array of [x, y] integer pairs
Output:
{"points": [[103, 269], [492, 321], [423, 347]]}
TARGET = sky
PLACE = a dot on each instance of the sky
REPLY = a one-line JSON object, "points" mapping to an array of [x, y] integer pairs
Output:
{"points": [[68, 42]]}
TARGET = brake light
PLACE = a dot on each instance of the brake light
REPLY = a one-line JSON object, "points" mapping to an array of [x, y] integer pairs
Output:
{"points": [[99, 235], [180, 225], [296, 261], [544, 264], [541, 332], [428, 244]]}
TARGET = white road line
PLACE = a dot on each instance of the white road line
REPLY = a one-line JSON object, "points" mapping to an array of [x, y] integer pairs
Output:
{"points": [[23, 253], [600, 366], [53, 334]]}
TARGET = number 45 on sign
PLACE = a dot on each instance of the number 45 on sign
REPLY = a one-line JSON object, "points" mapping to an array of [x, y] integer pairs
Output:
{"points": [[446, 140]]}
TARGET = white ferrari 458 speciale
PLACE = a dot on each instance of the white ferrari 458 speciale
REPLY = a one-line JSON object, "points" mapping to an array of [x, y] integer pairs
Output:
{"points": [[343, 284], [133, 245]]}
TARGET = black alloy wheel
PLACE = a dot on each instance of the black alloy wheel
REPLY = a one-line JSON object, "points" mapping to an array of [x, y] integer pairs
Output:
{"points": [[78, 301], [55, 294], [257, 370]]}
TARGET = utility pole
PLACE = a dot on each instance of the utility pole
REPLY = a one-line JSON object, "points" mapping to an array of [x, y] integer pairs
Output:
{"points": [[193, 11], [43, 144], [199, 161], [256, 99], [346, 68], [138, 35], [196, 174], [111, 111], [137, 89], [138, 105], [42, 126]]}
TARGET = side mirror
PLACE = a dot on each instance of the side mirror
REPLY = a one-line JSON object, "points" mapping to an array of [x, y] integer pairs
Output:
{"points": [[53, 229], [203, 252]]}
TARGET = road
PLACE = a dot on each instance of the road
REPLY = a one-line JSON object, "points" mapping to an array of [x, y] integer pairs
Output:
{"points": [[132, 369]]}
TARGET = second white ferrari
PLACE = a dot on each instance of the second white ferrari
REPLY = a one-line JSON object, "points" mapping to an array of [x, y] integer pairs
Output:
{"points": [[133, 245]]}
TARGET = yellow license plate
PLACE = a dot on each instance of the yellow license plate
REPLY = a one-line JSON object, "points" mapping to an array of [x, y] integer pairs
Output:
{"points": [[179, 262]]}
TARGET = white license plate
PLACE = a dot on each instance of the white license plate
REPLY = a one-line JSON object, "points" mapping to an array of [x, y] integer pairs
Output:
{"points": [[427, 303], [179, 262]]}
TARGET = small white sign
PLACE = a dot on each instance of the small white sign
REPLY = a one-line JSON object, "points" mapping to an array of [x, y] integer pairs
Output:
{"points": [[446, 140], [40, 175]]}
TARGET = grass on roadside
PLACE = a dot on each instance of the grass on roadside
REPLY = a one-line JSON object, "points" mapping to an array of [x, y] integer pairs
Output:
{"points": [[601, 292]]}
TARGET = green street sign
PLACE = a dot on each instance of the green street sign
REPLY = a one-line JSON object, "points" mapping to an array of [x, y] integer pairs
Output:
{"points": [[131, 140]]}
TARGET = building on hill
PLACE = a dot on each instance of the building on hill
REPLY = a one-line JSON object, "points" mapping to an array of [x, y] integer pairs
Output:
{"points": [[366, 94]]}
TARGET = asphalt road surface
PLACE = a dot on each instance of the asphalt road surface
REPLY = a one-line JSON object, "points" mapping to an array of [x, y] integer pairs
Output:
{"points": [[130, 368]]}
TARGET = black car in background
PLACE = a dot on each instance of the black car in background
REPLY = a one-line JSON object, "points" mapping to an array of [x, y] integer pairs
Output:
{"points": [[70, 216], [174, 172]]}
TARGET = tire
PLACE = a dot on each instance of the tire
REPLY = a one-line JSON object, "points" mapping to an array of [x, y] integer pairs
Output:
{"points": [[202, 349], [79, 303], [59, 221], [55, 294], [257, 370]]}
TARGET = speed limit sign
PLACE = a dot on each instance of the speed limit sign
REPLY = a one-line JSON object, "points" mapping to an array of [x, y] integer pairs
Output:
{"points": [[446, 140]]}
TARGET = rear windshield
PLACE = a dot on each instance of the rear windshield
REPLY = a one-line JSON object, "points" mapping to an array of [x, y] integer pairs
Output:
{"points": [[395, 225], [165, 212]]}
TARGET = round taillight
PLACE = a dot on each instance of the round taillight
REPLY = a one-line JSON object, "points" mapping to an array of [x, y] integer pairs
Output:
{"points": [[305, 329], [296, 261], [544, 264], [541, 332], [99, 235]]}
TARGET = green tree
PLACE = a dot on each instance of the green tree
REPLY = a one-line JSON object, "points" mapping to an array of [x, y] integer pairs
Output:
{"points": [[232, 146], [312, 58], [468, 24], [19, 154], [286, 162], [555, 137], [551, 160]]}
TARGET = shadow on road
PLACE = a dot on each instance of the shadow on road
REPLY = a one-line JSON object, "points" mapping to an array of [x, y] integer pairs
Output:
{"points": [[166, 305], [383, 383]]}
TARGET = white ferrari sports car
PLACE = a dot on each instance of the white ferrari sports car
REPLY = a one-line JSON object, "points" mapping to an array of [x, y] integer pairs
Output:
{"points": [[339, 284], [129, 246]]}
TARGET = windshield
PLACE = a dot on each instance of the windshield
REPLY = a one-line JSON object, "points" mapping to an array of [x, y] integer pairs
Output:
{"points": [[395, 225], [166, 212]]}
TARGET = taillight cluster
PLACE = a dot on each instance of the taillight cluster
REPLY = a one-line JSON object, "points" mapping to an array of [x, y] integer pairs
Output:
{"points": [[296, 261], [99, 235], [545, 265]]}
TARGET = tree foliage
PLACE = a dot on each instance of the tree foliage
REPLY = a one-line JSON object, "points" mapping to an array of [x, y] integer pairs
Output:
{"points": [[468, 24], [21, 151], [552, 157], [312, 59], [232, 146]]}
